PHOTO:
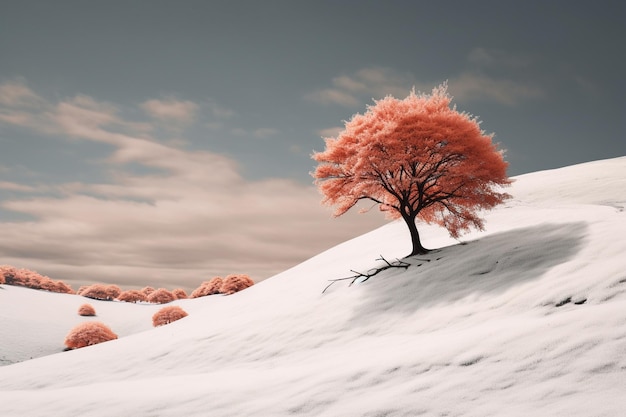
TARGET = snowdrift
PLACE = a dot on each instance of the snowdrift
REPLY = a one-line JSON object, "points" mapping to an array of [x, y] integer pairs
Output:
{"points": [[526, 318]]}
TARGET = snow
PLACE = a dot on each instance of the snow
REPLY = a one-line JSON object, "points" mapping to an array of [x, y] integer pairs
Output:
{"points": [[477, 328]]}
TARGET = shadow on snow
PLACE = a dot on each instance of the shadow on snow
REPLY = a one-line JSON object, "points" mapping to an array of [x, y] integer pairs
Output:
{"points": [[492, 264]]}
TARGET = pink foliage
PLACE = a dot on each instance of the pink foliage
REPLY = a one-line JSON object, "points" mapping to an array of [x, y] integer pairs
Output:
{"points": [[86, 310], [180, 294], [147, 290], [101, 292], [31, 279], [113, 291], [132, 296], [415, 158], [87, 334], [10, 274], [166, 315], [235, 283], [161, 296], [2, 280], [208, 288]]}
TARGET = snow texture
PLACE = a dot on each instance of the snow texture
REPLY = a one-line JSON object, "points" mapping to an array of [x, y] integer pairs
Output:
{"points": [[526, 318]]}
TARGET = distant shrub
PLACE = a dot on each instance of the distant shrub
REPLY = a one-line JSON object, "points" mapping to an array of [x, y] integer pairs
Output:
{"points": [[166, 315], [2, 280], [235, 283], [97, 292], [132, 296], [31, 279], [47, 284], [9, 273], [87, 334], [86, 310], [208, 288], [147, 290], [161, 296], [180, 294], [113, 291]]}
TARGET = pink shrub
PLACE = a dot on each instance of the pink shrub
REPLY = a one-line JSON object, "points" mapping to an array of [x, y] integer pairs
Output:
{"points": [[31, 279], [8, 273], [97, 292], [166, 315], [180, 294], [132, 296], [147, 290], [2, 280], [161, 296], [113, 291], [235, 283], [87, 334], [64, 288], [208, 288], [55, 286], [86, 310]]}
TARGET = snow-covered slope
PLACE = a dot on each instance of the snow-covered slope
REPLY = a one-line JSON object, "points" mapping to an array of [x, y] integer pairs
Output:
{"points": [[526, 318]]}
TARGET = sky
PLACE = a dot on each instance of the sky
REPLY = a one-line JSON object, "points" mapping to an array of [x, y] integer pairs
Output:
{"points": [[163, 143]]}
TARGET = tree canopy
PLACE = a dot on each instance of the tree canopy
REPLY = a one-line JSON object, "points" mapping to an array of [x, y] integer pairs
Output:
{"points": [[417, 159]]}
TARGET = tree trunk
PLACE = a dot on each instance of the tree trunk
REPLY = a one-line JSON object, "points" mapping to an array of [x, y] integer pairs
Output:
{"points": [[418, 249]]}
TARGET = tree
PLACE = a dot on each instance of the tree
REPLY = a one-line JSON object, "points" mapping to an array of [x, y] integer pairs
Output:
{"points": [[210, 287], [132, 296], [166, 315], [87, 334], [100, 292], [416, 159], [161, 296], [234, 283], [180, 293], [147, 290], [86, 310]]}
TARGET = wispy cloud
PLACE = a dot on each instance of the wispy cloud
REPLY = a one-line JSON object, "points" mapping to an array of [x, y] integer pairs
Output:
{"points": [[490, 75], [171, 110], [473, 86], [349, 90], [187, 216]]}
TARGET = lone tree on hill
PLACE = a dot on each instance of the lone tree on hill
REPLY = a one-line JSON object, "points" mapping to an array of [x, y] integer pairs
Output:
{"points": [[417, 158]]}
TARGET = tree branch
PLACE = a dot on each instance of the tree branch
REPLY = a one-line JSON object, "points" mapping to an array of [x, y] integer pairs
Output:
{"points": [[370, 273]]}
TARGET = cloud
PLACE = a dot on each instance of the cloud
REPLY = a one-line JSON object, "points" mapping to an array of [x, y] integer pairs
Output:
{"points": [[331, 132], [478, 87], [12, 186], [186, 216], [489, 75], [375, 82], [17, 94], [170, 110]]}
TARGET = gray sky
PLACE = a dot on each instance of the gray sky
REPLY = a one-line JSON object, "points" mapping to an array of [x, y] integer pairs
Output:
{"points": [[165, 142]]}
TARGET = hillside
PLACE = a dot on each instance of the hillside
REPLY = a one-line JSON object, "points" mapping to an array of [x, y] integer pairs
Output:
{"points": [[525, 318]]}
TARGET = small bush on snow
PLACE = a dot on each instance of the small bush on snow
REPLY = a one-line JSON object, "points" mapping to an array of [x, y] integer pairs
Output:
{"points": [[147, 290], [30, 279], [235, 283], [132, 296], [161, 296], [86, 310], [100, 292], [87, 334], [166, 315], [179, 293], [208, 288]]}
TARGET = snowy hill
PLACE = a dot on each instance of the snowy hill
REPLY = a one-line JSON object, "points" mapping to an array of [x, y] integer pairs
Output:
{"points": [[526, 318]]}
